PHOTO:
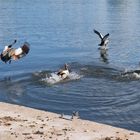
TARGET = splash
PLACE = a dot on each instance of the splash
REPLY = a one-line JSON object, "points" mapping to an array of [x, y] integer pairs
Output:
{"points": [[53, 78], [136, 75], [133, 74]]}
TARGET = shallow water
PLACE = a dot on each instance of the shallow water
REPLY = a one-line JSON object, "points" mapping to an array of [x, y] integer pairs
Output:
{"points": [[62, 32]]}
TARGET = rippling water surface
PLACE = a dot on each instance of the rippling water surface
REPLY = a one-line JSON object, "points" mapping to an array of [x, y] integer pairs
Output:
{"points": [[61, 32]]}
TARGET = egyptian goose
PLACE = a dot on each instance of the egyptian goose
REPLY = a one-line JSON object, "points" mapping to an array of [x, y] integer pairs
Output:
{"points": [[64, 73]]}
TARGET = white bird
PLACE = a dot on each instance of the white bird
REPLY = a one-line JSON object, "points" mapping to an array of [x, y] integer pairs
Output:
{"points": [[104, 40], [64, 73]]}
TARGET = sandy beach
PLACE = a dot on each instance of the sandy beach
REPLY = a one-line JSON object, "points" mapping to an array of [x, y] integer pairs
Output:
{"points": [[22, 123]]}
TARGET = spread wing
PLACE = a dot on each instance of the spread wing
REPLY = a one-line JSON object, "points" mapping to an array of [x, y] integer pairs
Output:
{"points": [[26, 48], [105, 37], [99, 34]]}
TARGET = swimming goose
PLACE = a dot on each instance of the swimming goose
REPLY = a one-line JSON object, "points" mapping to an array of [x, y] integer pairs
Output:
{"points": [[104, 39], [64, 73]]}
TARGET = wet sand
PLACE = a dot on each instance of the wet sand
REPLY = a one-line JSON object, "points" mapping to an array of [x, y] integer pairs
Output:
{"points": [[22, 123]]}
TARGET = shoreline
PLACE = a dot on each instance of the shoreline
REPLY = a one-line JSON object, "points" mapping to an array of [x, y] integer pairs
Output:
{"points": [[24, 123]]}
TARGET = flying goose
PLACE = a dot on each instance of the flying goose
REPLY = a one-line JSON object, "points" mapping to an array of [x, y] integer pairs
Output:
{"points": [[104, 39], [10, 53]]}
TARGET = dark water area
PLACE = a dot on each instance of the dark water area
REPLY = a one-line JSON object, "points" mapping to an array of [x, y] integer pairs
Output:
{"points": [[61, 31]]}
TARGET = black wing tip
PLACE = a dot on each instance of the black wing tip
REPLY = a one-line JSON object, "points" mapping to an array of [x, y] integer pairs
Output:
{"points": [[95, 31], [107, 35], [98, 33]]}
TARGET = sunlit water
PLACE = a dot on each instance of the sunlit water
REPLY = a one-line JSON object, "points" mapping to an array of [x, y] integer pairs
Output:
{"points": [[61, 32]]}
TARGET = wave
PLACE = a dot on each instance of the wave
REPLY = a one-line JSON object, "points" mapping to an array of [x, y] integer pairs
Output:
{"points": [[92, 70], [77, 71]]}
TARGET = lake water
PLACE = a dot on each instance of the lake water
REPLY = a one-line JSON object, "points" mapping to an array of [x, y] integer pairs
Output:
{"points": [[61, 31]]}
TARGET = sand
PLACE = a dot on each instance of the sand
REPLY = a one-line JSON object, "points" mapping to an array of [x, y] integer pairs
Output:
{"points": [[22, 123]]}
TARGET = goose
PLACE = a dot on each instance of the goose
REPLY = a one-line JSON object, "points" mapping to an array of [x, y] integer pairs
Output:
{"points": [[104, 40], [64, 73], [14, 53]]}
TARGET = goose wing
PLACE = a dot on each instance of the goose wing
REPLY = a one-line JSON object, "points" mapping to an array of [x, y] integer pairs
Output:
{"points": [[99, 34], [60, 72], [105, 37]]}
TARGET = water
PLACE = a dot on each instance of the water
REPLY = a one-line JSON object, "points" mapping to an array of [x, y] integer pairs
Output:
{"points": [[61, 31]]}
